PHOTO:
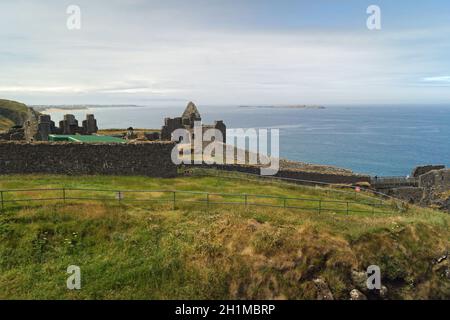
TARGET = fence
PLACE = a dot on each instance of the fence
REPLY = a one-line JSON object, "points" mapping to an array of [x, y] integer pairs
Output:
{"points": [[10, 198], [393, 182], [349, 190]]}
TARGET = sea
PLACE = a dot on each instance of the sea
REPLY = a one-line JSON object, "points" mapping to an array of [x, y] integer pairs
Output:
{"points": [[378, 140]]}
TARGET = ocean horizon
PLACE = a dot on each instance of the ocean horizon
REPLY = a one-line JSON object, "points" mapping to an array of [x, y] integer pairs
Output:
{"points": [[377, 140]]}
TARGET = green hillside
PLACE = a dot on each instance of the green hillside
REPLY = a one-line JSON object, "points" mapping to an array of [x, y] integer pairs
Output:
{"points": [[149, 250], [12, 113]]}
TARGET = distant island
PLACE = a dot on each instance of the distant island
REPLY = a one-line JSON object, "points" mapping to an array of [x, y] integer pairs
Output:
{"points": [[294, 106], [80, 106]]}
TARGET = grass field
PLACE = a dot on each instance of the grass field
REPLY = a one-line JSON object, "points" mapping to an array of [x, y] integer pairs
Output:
{"points": [[146, 250], [11, 113]]}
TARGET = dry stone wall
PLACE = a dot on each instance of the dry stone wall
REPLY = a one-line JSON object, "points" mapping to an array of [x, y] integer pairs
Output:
{"points": [[303, 177], [149, 158]]}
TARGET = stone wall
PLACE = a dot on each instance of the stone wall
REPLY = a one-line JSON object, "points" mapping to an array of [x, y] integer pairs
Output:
{"points": [[147, 158], [436, 186], [438, 180], [408, 194], [420, 170], [309, 177]]}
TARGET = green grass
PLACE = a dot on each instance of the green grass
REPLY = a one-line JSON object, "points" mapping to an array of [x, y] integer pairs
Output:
{"points": [[146, 250], [12, 113], [5, 122]]}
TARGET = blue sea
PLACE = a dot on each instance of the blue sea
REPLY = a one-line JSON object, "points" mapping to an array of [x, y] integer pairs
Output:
{"points": [[377, 140]]}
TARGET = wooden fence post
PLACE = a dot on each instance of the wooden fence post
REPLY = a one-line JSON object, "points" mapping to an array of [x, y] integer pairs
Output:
{"points": [[174, 200], [207, 200], [347, 207], [64, 195], [2, 200], [320, 206]]}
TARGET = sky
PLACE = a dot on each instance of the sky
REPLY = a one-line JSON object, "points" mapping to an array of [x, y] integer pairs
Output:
{"points": [[220, 52]]}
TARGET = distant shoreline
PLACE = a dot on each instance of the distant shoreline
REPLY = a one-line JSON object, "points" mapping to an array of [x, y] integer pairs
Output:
{"points": [[295, 106], [53, 108]]}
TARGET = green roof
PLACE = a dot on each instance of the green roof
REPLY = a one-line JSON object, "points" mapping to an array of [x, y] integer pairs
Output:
{"points": [[85, 139]]}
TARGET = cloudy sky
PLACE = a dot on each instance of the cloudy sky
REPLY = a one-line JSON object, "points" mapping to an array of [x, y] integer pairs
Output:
{"points": [[225, 52]]}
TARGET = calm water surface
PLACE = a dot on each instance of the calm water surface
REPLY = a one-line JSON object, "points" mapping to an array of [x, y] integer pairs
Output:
{"points": [[378, 140]]}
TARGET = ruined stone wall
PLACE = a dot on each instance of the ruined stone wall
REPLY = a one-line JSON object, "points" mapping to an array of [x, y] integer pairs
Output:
{"points": [[420, 170], [436, 186], [439, 180], [308, 177], [149, 159], [408, 194]]}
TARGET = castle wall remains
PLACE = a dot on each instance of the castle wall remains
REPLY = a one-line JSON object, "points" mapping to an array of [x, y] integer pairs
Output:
{"points": [[147, 158]]}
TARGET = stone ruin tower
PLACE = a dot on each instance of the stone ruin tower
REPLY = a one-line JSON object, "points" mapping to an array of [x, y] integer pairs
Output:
{"points": [[187, 121], [44, 126]]}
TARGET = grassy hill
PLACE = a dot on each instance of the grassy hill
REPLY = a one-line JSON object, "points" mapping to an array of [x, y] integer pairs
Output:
{"points": [[12, 113], [142, 250]]}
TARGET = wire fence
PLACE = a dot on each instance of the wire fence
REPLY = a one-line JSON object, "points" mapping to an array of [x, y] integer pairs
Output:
{"points": [[15, 198], [356, 192], [392, 182]]}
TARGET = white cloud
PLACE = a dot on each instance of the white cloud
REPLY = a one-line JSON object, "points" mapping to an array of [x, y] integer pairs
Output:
{"points": [[439, 79], [134, 51]]}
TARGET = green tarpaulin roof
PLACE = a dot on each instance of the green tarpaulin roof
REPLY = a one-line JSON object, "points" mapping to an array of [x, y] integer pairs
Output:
{"points": [[85, 139]]}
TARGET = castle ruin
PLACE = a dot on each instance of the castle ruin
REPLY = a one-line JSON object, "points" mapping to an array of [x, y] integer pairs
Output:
{"points": [[190, 116], [40, 130]]}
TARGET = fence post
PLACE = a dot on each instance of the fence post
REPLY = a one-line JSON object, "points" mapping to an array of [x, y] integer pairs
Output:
{"points": [[347, 207], [174, 199], [64, 195], [245, 195], [207, 200], [3, 202], [320, 206]]}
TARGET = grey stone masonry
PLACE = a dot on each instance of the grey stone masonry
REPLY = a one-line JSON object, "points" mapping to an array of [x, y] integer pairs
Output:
{"points": [[39, 129], [187, 121], [146, 158]]}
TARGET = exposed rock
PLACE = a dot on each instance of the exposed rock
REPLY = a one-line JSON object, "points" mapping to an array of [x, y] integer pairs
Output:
{"points": [[130, 135], [323, 291], [355, 294], [253, 225], [420, 170], [436, 185], [441, 265], [383, 292], [359, 280], [408, 194], [15, 133], [442, 258]]}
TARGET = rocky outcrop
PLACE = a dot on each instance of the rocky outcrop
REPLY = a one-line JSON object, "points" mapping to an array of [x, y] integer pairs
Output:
{"points": [[355, 294], [15, 133], [15, 111], [323, 291], [433, 188], [420, 170], [408, 194], [436, 188], [361, 292]]}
